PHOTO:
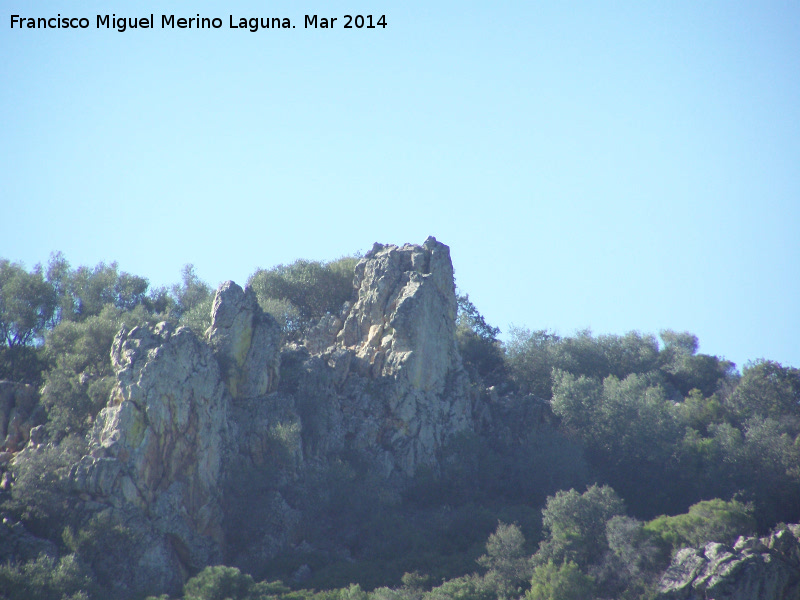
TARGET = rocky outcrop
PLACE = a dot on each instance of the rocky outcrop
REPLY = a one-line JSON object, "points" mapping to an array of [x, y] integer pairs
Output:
{"points": [[246, 342], [400, 335], [205, 442], [403, 321], [766, 568], [156, 449], [19, 412]]}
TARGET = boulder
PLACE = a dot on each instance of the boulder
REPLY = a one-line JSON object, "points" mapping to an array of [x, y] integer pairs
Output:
{"points": [[246, 342], [765, 568]]}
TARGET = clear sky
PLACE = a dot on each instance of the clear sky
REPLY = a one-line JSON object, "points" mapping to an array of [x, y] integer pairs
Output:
{"points": [[612, 165]]}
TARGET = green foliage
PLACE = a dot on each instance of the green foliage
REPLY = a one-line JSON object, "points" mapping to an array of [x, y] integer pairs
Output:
{"points": [[27, 304], [470, 587], [604, 355], [284, 312], [559, 582], [469, 317], [311, 288], [636, 552], [40, 493], [219, 583], [530, 358], [103, 542], [23, 363], [78, 384], [89, 290], [685, 370], [533, 355], [46, 578], [766, 389], [707, 521], [575, 525], [482, 358], [518, 469], [198, 317], [699, 412], [191, 292], [629, 428], [505, 559]]}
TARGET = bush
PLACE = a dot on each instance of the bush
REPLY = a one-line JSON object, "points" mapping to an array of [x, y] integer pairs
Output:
{"points": [[576, 525], [708, 521], [46, 578], [218, 583], [40, 494], [310, 288], [564, 582]]}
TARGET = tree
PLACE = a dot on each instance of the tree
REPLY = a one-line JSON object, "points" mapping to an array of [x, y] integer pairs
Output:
{"points": [[27, 304], [506, 561], [313, 288], [634, 552], [530, 357], [575, 525], [79, 381], [560, 582], [477, 343], [46, 578], [93, 288], [191, 293], [686, 370], [766, 389]]}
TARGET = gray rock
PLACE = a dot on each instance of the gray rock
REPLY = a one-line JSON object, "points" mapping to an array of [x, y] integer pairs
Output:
{"points": [[157, 446], [246, 342], [401, 330], [766, 568]]}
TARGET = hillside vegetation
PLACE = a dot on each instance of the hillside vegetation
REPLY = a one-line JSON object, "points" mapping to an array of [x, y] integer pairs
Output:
{"points": [[594, 459]]}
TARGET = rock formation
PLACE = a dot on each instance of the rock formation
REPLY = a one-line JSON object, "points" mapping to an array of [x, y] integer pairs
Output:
{"points": [[203, 438], [246, 342], [400, 332], [766, 568], [156, 449]]}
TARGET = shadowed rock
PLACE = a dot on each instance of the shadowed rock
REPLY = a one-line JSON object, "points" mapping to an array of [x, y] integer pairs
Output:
{"points": [[246, 342], [765, 568]]}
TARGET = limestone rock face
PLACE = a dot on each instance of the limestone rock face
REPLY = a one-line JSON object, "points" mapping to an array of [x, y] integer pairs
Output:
{"points": [[399, 334], [765, 568], [206, 443], [158, 445], [246, 341], [403, 322]]}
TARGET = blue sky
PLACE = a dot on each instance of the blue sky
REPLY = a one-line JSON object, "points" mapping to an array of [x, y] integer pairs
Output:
{"points": [[613, 165]]}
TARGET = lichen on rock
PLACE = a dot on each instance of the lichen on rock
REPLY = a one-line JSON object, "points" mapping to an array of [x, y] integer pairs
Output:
{"points": [[766, 568], [157, 447], [246, 342]]}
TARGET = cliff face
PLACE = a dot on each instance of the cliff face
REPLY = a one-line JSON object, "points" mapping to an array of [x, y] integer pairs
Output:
{"points": [[766, 568], [192, 423]]}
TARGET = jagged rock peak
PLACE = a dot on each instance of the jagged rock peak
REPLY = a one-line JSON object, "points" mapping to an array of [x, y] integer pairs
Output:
{"points": [[246, 342], [403, 320], [766, 568]]}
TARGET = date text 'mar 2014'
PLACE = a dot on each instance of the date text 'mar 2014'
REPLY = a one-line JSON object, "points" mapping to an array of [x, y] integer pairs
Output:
{"points": [[350, 21]]}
